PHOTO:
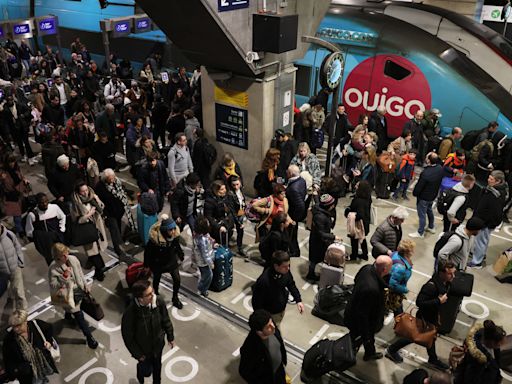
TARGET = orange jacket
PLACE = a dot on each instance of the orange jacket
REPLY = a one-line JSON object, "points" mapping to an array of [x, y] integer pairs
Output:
{"points": [[455, 162]]}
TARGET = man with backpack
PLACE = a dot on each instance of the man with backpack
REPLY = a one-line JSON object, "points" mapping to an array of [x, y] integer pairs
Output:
{"points": [[453, 203], [455, 245], [447, 146]]}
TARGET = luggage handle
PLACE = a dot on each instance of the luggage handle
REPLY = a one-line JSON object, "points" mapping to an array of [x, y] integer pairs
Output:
{"points": [[227, 236]]}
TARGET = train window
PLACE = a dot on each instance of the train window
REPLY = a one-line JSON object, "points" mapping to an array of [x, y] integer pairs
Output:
{"points": [[303, 80], [395, 71]]}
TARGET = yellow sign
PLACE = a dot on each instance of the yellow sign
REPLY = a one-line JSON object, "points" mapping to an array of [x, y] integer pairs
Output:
{"points": [[231, 97]]}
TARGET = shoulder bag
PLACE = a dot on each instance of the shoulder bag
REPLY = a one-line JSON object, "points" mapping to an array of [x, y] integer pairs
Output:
{"points": [[416, 330], [54, 349], [83, 234]]}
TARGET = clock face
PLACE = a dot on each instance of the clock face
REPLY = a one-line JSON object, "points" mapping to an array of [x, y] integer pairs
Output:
{"points": [[332, 70]]}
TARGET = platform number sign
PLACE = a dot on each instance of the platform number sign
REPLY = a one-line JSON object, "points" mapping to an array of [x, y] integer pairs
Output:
{"points": [[230, 5]]}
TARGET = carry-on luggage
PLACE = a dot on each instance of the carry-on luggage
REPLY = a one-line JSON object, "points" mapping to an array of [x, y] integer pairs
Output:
{"points": [[326, 356], [144, 223], [462, 284], [448, 313], [223, 271], [506, 354], [330, 303], [137, 271]]}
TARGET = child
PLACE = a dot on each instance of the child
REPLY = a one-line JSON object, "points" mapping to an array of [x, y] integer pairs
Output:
{"points": [[204, 246], [405, 173]]}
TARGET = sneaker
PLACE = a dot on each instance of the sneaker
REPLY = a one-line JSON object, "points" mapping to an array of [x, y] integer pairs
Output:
{"points": [[177, 303], [394, 357], [125, 168], [431, 230], [91, 342], [416, 235], [439, 364], [375, 356], [475, 266], [405, 197]]}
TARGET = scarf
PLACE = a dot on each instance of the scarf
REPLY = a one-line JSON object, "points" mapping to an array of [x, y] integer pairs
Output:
{"points": [[271, 175], [35, 357], [81, 201], [230, 171], [116, 189]]}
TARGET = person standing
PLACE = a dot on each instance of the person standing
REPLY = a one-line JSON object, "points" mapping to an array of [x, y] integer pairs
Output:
{"points": [[11, 262], [16, 118], [433, 294], [163, 254], [364, 313], [61, 182], [237, 205], [490, 210], [144, 327], [378, 124], [361, 205], [263, 355], [267, 176], [184, 201], [415, 126], [204, 250], [216, 210], [296, 193], [388, 234], [457, 203], [276, 239], [426, 190], [153, 178], [447, 145], [180, 162]]}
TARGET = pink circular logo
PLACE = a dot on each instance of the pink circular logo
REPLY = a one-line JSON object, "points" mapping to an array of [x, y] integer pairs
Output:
{"points": [[391, 81]]}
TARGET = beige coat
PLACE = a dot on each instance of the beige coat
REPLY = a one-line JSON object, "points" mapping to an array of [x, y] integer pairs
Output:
{"points": [[100, 245], [260, 207], [62, 287]]}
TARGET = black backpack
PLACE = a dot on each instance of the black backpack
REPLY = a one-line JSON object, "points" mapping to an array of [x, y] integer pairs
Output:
{"points": [[469, 140], [443, 240], [210, 153], [445, 200]]}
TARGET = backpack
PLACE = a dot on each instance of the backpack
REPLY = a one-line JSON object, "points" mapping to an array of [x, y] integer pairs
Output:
{"points": [[469, 139], [148, 203], [210, 153], [443, 240], [445, 200], [433, 144], [136, 271], [252, 215], [317, 138], [477, 148], [41, 133]]}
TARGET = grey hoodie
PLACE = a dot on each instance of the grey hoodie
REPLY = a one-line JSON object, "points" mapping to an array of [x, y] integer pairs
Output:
{"points": [[180, 163], [453, 251]]}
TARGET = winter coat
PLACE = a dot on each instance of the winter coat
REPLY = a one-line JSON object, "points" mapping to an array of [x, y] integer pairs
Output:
{"points": [[401, 272], [381, 129], [491, 204], [97, 219], [201, 161], [406, 168], [428, 300], [446, 147], [179, 202], [220, 174], [203, 250], [459, 205], [107, 124], [321, 236], [256, 363], [155, 179], [260, 207], [364, 313], [144, 329], [104, 154], [296, 195], [385, 238], [13, 194], [311, 165], [478, 365], [399, 146], [11, 255], [275, 240], [427, 187], [362, 209], [161, 254], [216, 210], [287, 149], [270, 292], [16, 366], [61, 183], [113, 206], [262, 184], [61, 286]]}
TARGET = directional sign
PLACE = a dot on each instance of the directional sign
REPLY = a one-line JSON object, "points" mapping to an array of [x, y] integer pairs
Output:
{"points": [[142, 25], [122, 28], [230, 5], [22, 29], [47, 26]]}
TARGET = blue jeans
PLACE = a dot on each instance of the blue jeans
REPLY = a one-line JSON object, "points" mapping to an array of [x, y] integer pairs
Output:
{"points": [[205, 280], [425, 209], [480, 245], [18, 225], [402, 188]]}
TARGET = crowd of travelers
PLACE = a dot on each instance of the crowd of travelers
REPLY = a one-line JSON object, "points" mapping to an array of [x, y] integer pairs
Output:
{"points": [[83, 117]]}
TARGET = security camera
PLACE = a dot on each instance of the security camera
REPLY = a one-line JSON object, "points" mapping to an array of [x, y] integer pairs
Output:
{"points": [[253, 56]]}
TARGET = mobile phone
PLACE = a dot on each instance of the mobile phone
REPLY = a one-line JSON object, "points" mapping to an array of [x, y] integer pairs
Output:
{"points": [[165, 77], [49, 82]]}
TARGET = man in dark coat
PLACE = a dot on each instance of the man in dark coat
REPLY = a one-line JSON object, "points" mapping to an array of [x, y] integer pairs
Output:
{"points": [[263, 354], [159, 115], [342, 127], [364, 314], [16, 117], [433, 294], [288, 147], [415, 126], [106, 123], [270, 292], [61, 182], [104, 152], [296, 193], [153, 179], [184, 201], [53, 114], [144, 327], [426, 191], [175, 123], [379, 124]]}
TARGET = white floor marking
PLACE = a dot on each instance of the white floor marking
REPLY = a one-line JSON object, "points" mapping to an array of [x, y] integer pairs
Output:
{"points": [[78, 371], [40, 281], [319, 334], [169, 353]]}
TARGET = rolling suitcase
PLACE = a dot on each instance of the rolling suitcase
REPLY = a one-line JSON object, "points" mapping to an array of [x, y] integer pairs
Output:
{"points": [[506, 354], [223, 271], [448, 313], [144, 223]]}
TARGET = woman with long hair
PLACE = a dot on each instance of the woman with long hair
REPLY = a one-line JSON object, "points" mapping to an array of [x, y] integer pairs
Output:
{"points": [[361, 206], [267, 175]]}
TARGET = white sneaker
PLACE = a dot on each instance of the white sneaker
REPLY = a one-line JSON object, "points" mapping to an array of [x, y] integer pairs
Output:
{"points": [[431, 230], [416, 235], [125, 168]]}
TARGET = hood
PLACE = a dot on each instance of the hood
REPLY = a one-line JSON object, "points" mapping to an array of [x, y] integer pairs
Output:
{"points": [[499, 191], [460, 188], [461, 231], [156, 237], [473, 341], [408, 159]]}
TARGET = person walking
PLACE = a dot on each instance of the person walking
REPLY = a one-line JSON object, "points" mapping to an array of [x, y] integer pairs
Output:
{"points": [[237, 205], [296, 192], [263, 354], [401, 272], [204, 250], [144, 327], [11, 263], [388, 234], [68, 288], [426, 190], [184, 201], [361, 206], [364, 313], [163, 254], [180, 162], [276, 239]]}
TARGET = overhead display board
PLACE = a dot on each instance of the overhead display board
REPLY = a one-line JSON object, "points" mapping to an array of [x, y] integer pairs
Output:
{"points": [[142, 25], [231, 125], [231, 5], [47, 25], [122, 28], [22, 29]]}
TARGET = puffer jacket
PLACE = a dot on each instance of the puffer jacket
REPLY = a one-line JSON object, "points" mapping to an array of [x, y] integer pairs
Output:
{"points": [[491, 204], [401, 272], [11, 255], [162, 254], [385, 238], [478, 366]]}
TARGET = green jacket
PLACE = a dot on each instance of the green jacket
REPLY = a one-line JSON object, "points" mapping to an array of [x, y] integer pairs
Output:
{"points": [[144, 328]]}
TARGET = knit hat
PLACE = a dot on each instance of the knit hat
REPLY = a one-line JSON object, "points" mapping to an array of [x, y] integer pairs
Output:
{"points": [[326, 200], [167, 224], [475, 224], [280, 133], [62, 160]]}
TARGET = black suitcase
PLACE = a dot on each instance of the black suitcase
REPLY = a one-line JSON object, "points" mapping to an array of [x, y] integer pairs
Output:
{"points": [[326, 356], [506, 355], [448, 313], [330, 303], [462, 284]]}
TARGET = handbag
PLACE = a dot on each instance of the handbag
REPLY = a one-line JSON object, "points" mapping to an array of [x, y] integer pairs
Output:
{"points": [[309, 219], [386, 162], [373, 214], [462, 284], [54, 349], [416, 330], [456, 356], [83, 234], [90, 306]]}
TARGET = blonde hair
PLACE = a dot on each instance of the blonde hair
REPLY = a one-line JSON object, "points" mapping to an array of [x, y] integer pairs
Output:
{"points": [[335, 256], [304, 145], [372, 154], [18, 317], [59, 249], [373, 135], [406, 247]]}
